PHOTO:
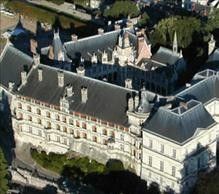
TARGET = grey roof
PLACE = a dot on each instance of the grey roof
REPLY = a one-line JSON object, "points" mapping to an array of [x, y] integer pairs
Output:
{"points": [[165, 56], [105, 101], [179, 124], [204, 89], [87, 46], [12, 62]]}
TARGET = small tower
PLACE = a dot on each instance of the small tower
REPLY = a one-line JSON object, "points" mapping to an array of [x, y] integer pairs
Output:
{"points": [[175, 44], [211, 45]]}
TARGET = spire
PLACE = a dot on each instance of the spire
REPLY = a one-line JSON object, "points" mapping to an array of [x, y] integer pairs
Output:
{"points": [[175, 44]]}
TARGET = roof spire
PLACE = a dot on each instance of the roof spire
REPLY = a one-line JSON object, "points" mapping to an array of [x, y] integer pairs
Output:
{"points": [[175, 44]]}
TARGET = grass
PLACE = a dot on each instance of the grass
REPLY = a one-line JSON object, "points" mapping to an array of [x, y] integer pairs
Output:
{"points": [[41, 14]]}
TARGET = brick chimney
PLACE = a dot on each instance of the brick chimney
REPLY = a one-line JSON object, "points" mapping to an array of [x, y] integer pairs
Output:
{"points": [[100, 31], [74, 37], [84, 95]]}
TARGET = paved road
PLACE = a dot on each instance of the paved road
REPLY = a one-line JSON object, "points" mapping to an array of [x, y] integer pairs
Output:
{"points": [[63, 8]]}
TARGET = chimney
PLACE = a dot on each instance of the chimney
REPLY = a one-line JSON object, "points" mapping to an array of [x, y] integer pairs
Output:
{"points": [[84, 95], [117, 27], [23, 77], [60, 79], [36, 59], [69, 90], [74, 37], [94, 58], [40, 74], [130, 104], [128, 83], [100, 31], [11, 86], [136, 101], [80, 71]]}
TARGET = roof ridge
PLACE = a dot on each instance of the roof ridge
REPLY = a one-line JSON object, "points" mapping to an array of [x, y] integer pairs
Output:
{"points": [[85, 77]]}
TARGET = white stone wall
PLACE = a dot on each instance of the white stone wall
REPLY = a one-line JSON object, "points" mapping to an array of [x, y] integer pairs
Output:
{"points": [[74, 133]]}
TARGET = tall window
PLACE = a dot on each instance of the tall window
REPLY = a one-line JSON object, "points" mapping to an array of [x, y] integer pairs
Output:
{"points": [[65, 141], [94, 128], [161, 166], [58, 139], [150, 143], [29, 108], [122, 137], [58, 127], [173, 171], [174, 153], [150, 161], [77, 124], [40, 133], [84, 126], [64, 119], [65, 129], [104, 132], [162, 148], [85, 135], [19, 105], [57, 117], [48, 114], [94, 138], [29, 118], [70, 121], [38, 111]]}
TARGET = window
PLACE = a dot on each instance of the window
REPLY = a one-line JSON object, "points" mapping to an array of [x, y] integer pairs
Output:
{"points": [[30, 130], [112, 134], [58, 139], [104, 142], [174, 153], [78, 134], [161, 166], [150, 143], [162, 148], [122, 147], [150, 161], [95, 139], [84, 126], [57, 117], [122, 137], [94, 128], [85, 135], [104, 132], [173, 171], [70, 122], [48, 125], [48, 114], [38, 111], [29, 108], [64, 119], [77, 124], [40, 133], [19, 105], [58, 127], [65, 141], [65, 129], [20, 116], [29, 118]]}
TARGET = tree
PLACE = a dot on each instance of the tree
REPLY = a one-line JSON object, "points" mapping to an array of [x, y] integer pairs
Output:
{"points": [[122, 9], [185, 28], [3, 174], [213, 20], [144, 20]]}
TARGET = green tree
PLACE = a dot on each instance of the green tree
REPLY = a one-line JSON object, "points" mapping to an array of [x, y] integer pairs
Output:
{"points": [[122, 9], [3, 174], [144, 20], [213, 20], [185, 28]]}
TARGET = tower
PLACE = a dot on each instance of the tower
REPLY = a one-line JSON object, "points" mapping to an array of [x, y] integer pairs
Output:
{"points": [[175, 44], [211, 45]]}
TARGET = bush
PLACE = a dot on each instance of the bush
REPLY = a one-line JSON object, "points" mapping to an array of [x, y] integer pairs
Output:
{"points": [[122, 9]]}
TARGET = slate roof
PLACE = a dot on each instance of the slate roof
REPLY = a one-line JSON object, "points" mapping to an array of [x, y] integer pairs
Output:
{"points": [[12, 62], [96, 44], [165, 56], [205, 89], [105, 101], [179, 125]]}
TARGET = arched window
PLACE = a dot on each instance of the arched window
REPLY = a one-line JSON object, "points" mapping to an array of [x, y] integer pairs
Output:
{"points": [[29, 108], [19, 105], [58, 127], [38, 111], [104, 132]]}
